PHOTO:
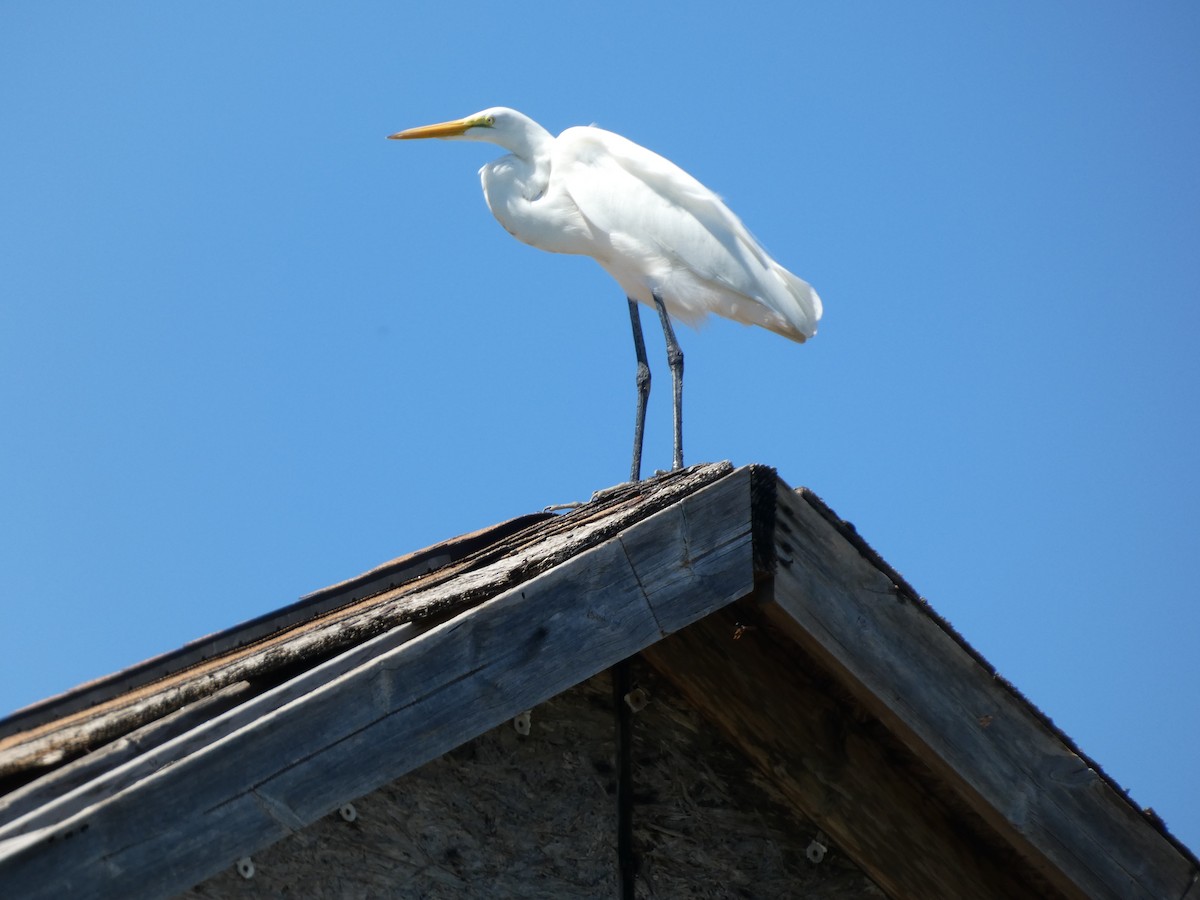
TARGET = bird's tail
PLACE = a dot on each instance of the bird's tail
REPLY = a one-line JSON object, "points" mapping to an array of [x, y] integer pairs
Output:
{"points": [[798, 306]]}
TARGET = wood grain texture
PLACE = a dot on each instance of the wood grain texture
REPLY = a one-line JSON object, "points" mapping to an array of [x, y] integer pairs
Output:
{"points": [[387, 576], [63, 796], [268, 768], [834, 763], [935, 694], [514, 816], [478, 575], [853, 699], [46, 792]]}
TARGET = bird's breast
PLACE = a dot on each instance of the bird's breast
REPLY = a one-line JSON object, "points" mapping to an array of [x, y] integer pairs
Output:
{"points": [[534, 211]]}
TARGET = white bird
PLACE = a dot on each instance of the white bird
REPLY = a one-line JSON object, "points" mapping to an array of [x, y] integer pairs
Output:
{"points": [[669, 241]]}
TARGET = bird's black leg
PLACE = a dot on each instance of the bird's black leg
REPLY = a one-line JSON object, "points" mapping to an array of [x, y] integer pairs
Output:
{"points": [[643, 389], [675, 361]]}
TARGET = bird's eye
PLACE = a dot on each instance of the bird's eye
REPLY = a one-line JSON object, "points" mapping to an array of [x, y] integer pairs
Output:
{"points": [[491, 120]]}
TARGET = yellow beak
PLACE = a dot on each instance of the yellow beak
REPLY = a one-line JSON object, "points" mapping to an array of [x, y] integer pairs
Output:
{"points": [[441, 129]]}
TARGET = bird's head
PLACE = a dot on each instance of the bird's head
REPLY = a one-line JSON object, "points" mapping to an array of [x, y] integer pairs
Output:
{"points": [[497, 125]]}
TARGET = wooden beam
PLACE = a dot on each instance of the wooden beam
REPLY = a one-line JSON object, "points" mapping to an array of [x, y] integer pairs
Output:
{"points": [[47, 792], [836, 764], [64, 795], [386, 576], [258, 772], [945, 705], [349, 615]]}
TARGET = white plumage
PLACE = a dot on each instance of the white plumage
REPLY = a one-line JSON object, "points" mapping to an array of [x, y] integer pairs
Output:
{"points": [[657, 230]]}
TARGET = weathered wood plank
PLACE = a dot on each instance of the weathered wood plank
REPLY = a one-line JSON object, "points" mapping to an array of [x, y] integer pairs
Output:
{"points": [[284, 767], [257, 784], [681, 562], [386, 576], [482, 574], [835, 764], [532, 817], [1000, 756], [52, 787], [601, 600], [120, 777]]}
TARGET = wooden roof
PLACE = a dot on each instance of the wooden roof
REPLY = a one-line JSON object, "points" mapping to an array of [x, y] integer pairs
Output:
{"points": [[769, 613]]}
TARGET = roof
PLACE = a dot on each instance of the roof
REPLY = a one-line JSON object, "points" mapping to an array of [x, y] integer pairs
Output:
{"points": [[767, 611]]}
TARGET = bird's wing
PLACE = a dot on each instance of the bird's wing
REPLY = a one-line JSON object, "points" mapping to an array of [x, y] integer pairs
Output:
{"points": [[623, 189], [663, 225]]}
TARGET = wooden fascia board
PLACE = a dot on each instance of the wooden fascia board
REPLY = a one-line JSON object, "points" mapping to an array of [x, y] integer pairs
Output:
{"points": [[228, 791], [832, 761], [353, 613], [77, 786], [994, 751], [384, 577]]}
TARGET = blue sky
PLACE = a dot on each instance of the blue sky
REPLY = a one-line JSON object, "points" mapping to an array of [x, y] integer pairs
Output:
{"points": [[249, 348]]}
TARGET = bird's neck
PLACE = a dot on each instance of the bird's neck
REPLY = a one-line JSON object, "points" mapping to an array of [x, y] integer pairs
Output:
{"points": [[528, 141], [531, 145]]}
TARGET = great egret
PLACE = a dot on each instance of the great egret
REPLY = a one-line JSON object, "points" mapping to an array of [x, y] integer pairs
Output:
{"points": [[669, 241]]}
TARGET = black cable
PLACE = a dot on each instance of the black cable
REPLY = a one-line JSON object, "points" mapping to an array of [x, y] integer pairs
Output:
{"points": [[626, 861]]}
